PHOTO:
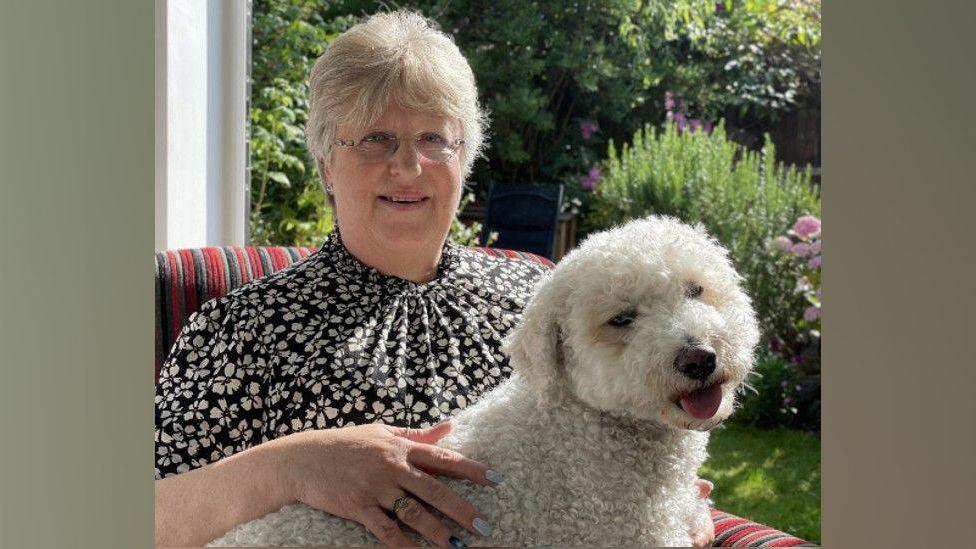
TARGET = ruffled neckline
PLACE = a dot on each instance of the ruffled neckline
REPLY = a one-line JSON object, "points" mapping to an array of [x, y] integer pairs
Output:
{"points": [[335, 253]]}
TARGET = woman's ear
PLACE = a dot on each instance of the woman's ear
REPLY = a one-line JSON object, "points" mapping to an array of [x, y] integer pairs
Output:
{"points": [[325, 172]]}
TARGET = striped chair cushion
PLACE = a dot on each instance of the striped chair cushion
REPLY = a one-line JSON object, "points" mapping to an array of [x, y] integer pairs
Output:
{"points": [[186, 279], [732, 531]]}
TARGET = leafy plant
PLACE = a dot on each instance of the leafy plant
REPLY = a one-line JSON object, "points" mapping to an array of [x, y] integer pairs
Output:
{"points": [[744, 198]]}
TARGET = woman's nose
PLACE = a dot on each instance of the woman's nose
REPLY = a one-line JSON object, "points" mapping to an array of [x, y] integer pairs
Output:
{"points": [[406, 160]]}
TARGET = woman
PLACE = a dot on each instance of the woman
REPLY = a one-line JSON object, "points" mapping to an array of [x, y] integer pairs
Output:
{"points": [[276, 393]]}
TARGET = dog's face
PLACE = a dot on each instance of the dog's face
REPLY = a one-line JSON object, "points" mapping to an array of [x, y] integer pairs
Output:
{"points": [[647, 320]]}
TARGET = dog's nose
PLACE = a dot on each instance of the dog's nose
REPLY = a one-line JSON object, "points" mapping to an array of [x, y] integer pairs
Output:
{"points": [[695, 362]]}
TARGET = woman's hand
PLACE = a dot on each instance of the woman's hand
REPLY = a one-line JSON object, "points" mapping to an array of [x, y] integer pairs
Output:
{"points": [[703, 535], [358, 473]]}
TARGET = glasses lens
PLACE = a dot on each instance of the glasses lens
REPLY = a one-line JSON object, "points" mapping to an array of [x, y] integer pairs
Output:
{"points": [[377, 146], [435, 147]]}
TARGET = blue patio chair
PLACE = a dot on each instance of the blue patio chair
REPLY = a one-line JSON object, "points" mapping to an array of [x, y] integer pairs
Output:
{"points": [[526, 217]]}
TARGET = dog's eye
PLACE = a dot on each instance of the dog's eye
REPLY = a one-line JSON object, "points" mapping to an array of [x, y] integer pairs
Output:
{"points": [[623, 319], [693, 289]]}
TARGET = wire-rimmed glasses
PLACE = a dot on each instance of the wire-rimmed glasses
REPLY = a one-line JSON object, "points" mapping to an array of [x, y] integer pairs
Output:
{"points": [[381, 146]]}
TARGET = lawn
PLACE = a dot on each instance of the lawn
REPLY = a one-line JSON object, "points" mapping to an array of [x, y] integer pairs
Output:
{"points": [[771, 476]]}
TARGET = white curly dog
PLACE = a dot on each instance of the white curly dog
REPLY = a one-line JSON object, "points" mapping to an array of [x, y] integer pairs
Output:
{"points": [[626, 356]]}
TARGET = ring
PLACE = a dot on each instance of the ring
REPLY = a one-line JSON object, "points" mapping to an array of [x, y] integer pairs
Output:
{"points": [[400, 503]]}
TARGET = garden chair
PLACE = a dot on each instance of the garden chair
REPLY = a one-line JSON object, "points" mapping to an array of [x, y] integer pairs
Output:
{"points": [[185, 279], [526, 217]]}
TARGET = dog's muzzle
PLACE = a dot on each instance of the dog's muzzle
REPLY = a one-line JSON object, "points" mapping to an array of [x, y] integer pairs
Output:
{"points": [[695, 362]]}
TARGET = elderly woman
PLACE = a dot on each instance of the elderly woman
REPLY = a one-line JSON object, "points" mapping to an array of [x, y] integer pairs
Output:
{"points": [[327, 383]]}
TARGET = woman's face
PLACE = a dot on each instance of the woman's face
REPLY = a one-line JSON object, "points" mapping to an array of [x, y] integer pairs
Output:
{"points": [[405, 200]]}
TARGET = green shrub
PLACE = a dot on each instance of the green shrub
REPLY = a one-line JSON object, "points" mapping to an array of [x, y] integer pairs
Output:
{"points": [[744, 198], [768, 398]]}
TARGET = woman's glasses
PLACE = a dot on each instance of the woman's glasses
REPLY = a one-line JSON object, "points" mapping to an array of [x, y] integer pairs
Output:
{"points": [[381, 146]]}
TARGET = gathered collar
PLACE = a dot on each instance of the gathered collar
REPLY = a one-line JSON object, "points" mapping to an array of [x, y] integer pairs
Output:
{"points": [[334, 252]]}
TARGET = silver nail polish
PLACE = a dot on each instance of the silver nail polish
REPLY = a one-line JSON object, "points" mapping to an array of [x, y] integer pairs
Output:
{"points": [[494, 476], [482, 526]]}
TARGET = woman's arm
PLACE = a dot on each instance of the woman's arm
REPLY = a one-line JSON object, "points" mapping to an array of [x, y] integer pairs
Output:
{"points": [[198, 506]]}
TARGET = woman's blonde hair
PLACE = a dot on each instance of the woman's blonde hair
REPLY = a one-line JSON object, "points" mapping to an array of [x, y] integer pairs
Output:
{"points": [[393, 58]]}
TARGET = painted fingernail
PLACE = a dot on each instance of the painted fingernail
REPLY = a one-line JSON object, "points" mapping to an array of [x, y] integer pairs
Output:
{"points": [[482, 526], [456, 542], [494, 476]]}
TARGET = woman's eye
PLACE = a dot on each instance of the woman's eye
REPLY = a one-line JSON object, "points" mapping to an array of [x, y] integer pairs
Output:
{"points": [[693, 289], [377, 138], [623, 320], [433, 138]]}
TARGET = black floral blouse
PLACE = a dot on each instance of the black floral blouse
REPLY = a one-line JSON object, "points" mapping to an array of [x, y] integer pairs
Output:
{"points": [[329, 342]]}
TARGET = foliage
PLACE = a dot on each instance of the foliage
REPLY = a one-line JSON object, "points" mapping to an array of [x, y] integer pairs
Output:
{"points": [[743, 198], [560, 79], [771, 476], [769, 399], [288, 205], [468, 235]]}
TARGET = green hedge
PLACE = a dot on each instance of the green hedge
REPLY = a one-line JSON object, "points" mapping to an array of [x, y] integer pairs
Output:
{"points": [[744, 198]]}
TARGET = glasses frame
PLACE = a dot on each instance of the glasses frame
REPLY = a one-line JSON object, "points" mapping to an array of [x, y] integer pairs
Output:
{"points": [[352, 144]]}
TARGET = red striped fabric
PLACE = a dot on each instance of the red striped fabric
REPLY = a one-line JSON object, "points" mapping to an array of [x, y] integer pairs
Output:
{"points": [[733, 531]]}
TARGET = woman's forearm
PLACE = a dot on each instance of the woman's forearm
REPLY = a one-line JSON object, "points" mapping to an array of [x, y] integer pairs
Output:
{"points": [[199, 506]]}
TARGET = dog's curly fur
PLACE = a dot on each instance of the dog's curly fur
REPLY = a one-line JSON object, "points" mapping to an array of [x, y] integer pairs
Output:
{"points": [[589, 431]]}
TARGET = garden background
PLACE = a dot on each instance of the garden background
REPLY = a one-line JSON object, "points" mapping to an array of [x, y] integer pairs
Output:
{"points": [[701, 109]]}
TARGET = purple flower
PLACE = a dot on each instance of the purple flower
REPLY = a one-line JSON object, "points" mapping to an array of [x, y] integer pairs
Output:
{"points": [[806, 226], [588, 128], [797, 388], [679, 120], [815, 247], [708, 128], [783, 243], [801, 249], [787, 401], [774, 344], [668, 101], [590, 180], [694, 124], [814, 262], [811, 313]]}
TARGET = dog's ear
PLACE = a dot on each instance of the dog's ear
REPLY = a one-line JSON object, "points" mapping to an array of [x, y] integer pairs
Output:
{"points": [[534, 346]]}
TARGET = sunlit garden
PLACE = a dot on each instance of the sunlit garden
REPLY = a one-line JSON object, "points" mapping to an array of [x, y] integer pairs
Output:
{"points": [[708, 111]]}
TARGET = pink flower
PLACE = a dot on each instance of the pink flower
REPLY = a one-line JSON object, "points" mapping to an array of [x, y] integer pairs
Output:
{"points": [[811, 313], [588, 128], [590, 180], [814, 262], [668, 101], [680, 121], [806, 226], [783, 243], [815, 247], [801, 248]]}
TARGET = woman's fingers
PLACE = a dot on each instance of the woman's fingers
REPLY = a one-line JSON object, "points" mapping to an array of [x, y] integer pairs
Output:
{"points": [[445, 500], [441, 461], [413, 513], [430, 435], [384, 528]]}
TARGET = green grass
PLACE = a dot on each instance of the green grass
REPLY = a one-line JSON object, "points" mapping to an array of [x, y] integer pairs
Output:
{"points": [[770, 476]]}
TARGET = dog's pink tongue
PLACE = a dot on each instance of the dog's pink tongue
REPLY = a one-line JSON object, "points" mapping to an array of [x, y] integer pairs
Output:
{"points": [[703, 403]]}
